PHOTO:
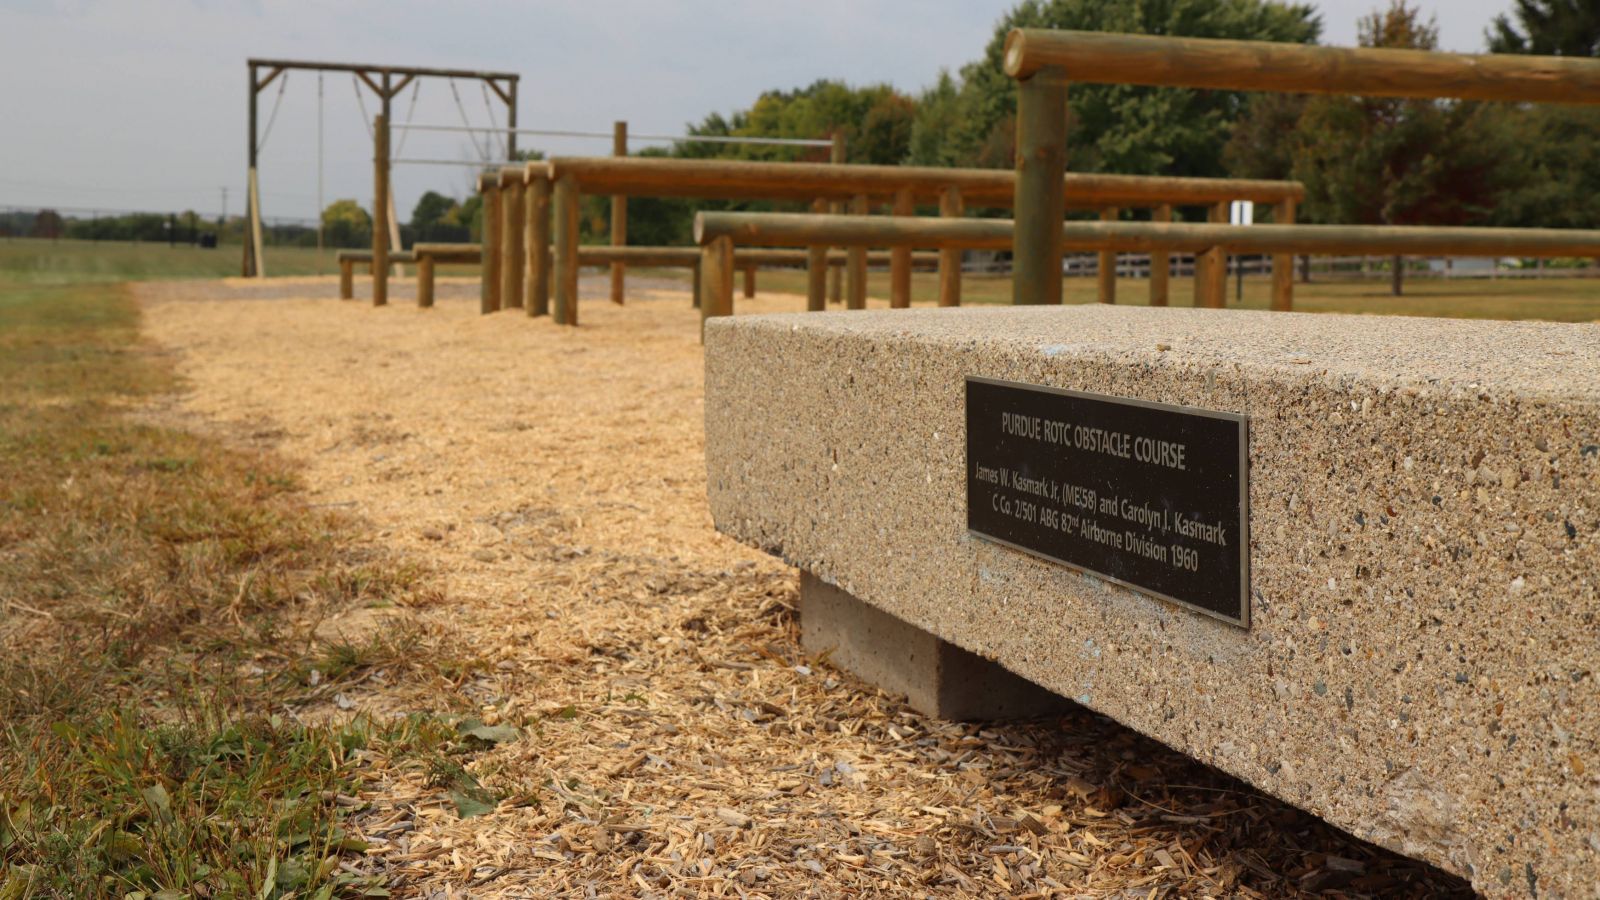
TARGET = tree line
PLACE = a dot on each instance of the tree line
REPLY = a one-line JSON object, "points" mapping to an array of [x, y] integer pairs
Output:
{"points": [[1363, 160]]}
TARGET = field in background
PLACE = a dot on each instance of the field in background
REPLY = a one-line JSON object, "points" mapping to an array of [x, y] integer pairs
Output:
{"points": [[34, 261], [1553, 299], [26, 261]]}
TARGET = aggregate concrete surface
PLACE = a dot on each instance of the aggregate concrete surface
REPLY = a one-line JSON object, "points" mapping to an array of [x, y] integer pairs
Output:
{"points": [[1425, 548]]}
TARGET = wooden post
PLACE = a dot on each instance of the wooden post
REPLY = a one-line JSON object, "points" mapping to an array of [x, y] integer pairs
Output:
{"points": [[489, 188], [716, 275], [565, 265], [695, 276], [1397, 274], [1211, 267], [537, 302], [252, 217], [619, 216], [424, 280], [513, 243], [836, 276], [817, 269], [750, 281], [380, 211], [1283, 263], [856, 264], [950, 207], [347, 279], [1040, 203], [1160, 260], [1107, 269], [900, 258]]}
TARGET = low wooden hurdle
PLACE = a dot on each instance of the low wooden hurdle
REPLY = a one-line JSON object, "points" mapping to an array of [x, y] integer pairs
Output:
{"points": [[720, 233], [1045, 62], [953, 190], [428, 255], [348, 259]]}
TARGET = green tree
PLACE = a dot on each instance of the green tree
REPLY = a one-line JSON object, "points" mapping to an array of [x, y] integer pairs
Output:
{"points": [[431, 207], [1560, 145], [346, 224], [1114, 128], [1401, 162], [1548, 28]]}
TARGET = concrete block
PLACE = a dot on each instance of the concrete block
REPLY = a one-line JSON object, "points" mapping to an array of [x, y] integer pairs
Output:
{"points": [[936, 677], [1422, 666]]}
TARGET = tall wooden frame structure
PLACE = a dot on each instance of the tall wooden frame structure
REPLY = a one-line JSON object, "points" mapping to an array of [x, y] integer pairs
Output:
{"points": [[385, 81]]}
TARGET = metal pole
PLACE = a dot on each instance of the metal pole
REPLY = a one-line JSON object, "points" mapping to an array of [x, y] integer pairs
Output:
{"points": [[511, 119], [1040, 203]]}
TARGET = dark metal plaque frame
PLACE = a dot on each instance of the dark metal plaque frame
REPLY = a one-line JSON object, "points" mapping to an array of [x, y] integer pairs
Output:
{"points": [[1243, 423]]}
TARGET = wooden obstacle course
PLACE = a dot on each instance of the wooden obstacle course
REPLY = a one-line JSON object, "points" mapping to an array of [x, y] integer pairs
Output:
{"points": [[1208, 240], [1044, 62], [862, 186]]}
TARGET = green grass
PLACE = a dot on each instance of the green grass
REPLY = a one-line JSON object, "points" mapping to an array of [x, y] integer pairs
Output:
{"points": [[30, 261], [158, 596], [1553, 299]]}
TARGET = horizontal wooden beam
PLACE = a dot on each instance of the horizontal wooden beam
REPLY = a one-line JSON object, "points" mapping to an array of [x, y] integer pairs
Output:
{"points": [[397, 70], [994, 188], [666, 257], [1098, 58], [787, 229]]}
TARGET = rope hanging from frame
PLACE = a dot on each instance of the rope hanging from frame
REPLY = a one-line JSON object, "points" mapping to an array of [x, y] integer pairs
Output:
{"points": [[483, 152], [276, 103]]}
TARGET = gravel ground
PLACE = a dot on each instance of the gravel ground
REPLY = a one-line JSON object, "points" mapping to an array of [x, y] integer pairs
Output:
{"points": [[671, 737]]}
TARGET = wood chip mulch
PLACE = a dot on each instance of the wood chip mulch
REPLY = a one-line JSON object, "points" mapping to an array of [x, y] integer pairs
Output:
{"points": [[670, 738]]}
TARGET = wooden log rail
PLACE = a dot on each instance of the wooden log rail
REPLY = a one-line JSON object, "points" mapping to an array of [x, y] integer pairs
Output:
{"points": [[719, 233], [1045, 62], [429, 255], [348, 259], [952, 190]]}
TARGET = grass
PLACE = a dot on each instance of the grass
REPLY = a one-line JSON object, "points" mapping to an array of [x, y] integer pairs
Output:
{"points": [[30, 261], [158, 599], [1552, 299]]}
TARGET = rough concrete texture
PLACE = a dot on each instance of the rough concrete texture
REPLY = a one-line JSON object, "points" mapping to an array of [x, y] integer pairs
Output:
{"points": [[937, 677], [1425, 500]]}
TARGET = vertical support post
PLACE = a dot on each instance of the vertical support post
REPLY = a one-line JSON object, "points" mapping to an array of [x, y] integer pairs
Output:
{"points": [[836, 275], [347, 278], [513, 244], [619, 216], [1107, 268], [1040, 203], [856, 264], [565, 269], [817, 268], [380, 210], [252, 245], [694, 291], [950, 207], [424, 280], [538, 227], [511, 118], [489, 188], [716, 278], [750, 281], [1211, 267], [1283, 263], [1160, 260], [900, 257]]}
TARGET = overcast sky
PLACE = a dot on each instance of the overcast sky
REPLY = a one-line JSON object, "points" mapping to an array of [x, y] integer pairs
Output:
{"points": [[141, 104]]}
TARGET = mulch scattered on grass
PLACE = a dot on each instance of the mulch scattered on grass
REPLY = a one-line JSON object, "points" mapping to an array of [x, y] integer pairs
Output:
{"points": [[645, 722]]}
